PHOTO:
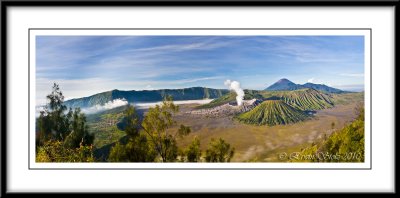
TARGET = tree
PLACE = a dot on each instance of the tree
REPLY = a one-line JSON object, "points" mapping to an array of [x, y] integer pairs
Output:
{"points": [[344, 145], [137, 147], [52, 123], [62, 137], [360, 111], [55, 151], [79, 131], [219, 151], [193, 152], [131, 121], [55, 124], [44, 128], [156, 124], [55, 109], [118, 153]]}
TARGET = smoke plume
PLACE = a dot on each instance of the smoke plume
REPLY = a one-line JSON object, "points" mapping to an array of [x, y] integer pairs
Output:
{"points": [[235, 86]]}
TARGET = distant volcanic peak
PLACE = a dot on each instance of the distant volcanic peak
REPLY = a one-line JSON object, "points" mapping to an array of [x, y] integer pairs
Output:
{"points": [[284, 80], [283, 84], [287, 85]]}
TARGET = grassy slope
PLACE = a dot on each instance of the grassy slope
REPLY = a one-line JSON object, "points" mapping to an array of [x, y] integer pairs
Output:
{"points": [[104, 126], [303, 99], [219, 101], [347, 98], [272, 112]]}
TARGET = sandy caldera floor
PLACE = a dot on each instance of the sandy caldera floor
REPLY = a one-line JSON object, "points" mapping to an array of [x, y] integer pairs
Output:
{"points": [[263, 143]]}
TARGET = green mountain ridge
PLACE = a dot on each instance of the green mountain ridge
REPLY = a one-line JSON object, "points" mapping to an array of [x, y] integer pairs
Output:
{"points": [[304, 99], [193, 93], [287, 85], [272, 112]]}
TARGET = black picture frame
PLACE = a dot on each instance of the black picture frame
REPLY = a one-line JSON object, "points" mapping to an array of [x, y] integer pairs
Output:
{"points": [[5, 5]]}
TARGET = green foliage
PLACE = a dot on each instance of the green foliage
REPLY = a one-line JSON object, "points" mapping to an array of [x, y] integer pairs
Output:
{"points": [[108, 126], [79, 131], [62, 136], [53, 124], [272, 112], [44, 128], [118, 153], [251, 94], [131, 121], [137, 149], [156, 123], [360, 111], [229, 97], [152, 140], [183, 131], [345, 145], [219, 151], [55, 151], [193, 151]]}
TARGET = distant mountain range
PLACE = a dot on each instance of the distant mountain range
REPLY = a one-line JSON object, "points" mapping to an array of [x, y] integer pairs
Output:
{"points": [[287, 85], [193, 93]]}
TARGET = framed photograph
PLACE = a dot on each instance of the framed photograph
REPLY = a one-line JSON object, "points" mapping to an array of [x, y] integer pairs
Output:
{"points": [[216, 98]]}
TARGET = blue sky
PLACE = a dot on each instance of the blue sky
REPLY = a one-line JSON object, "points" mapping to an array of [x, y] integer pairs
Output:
{"points": [[85, 65]]}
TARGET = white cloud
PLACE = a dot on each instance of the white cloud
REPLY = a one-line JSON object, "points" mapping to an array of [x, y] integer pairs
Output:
{"points": [[353, 74], [109, 105], [205, 45], [149, 87], [310, 80]]}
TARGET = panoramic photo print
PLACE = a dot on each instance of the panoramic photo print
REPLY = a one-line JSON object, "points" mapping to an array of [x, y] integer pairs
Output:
{"points": [[199, 98]]}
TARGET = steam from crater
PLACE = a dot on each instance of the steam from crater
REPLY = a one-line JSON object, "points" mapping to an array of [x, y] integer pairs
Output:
{"points": [[235, 86]]}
